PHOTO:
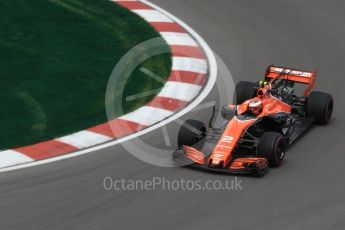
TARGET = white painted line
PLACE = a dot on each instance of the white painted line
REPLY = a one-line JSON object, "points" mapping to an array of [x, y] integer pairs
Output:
{"points": [[182, 39], [180, 91], [10, 157], [147, 115], [84, 139], [190, 64], [152, 16]]}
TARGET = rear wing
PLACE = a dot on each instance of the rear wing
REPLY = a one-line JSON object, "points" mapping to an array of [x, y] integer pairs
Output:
{"points": [[293, 75]]}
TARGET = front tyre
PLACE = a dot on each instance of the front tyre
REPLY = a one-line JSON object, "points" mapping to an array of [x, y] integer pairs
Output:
{"points": [[320, 106], [191, 132], [272, 147]]}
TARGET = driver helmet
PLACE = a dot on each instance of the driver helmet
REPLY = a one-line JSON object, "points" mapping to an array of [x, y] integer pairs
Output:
{"points": [[255, 107], [265, 85], [264, 88]]}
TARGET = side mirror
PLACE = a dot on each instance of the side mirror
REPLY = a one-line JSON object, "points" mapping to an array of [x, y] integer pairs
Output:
{"points": [[228, 112]]}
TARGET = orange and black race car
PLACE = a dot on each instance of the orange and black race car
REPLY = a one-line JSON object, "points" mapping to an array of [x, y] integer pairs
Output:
{"points": [[267, 118]]}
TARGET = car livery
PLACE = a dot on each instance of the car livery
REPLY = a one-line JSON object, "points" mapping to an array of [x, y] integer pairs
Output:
{"points": [[267, 118]]}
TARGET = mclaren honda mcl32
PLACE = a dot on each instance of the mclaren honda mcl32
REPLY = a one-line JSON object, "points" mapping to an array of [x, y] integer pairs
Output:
{"points": [[267, 118]]}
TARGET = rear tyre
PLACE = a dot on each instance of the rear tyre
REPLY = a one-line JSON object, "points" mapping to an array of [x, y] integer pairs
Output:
{"points": [[272, 147], [245, 90], [191, 133], [320, 106]]}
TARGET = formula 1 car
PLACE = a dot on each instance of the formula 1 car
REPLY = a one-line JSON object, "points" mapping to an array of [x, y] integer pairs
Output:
{"points": [[269, 117]]}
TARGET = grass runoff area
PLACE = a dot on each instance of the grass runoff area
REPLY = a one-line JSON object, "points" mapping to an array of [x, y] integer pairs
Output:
{"points": [[56, 59]]}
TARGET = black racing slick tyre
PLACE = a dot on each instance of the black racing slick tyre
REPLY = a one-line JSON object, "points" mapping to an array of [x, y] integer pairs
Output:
{"points": [[320, 106], [191, 132], [272, 147], [244, 91]]}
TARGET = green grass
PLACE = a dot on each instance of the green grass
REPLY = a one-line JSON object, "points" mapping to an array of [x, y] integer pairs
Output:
{"points": [[56, 59]]}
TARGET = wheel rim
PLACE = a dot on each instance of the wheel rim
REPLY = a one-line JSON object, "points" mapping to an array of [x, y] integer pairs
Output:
{"points": [[280, 153]]}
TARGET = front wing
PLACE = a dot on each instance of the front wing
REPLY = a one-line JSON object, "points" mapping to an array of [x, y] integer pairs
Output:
{"points": [[247, 165]]}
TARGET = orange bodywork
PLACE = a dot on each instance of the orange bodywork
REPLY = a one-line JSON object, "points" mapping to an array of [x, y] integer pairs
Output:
{"points": [[195, 155], [271, 105], [222, 153], [242, 163], [236, 128], [233, 132], [294, 75]]}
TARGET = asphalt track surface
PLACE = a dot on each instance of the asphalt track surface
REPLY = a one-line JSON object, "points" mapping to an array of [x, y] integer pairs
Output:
{"points": [[305, 193]]}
